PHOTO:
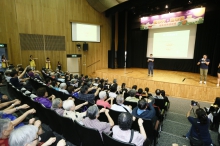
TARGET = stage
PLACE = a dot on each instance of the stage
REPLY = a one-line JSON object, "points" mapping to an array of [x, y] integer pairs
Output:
{"points": [[175, 83]]}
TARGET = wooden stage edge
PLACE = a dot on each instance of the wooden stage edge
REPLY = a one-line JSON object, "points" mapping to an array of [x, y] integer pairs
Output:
{"points": [[176, 84]]}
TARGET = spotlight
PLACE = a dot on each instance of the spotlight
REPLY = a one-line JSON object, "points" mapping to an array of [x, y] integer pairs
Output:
{"points": [[166, 6], [189, 2]]}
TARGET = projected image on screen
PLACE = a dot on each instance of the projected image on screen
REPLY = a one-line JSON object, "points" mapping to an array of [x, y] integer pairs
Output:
{"points": [[85, 32], [168, 44], [175, 42]]}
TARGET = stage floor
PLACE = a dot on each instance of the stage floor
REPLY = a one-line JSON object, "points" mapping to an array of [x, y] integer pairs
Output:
{"points": [[171, 81]]}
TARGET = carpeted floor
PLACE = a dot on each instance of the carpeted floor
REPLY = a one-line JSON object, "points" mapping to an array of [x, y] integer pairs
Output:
{"points": [[176, 124]]}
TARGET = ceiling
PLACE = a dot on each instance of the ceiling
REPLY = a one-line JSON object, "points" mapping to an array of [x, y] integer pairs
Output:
{"points": [[150, 7]]}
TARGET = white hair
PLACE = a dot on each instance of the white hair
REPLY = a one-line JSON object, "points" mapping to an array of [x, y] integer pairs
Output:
{"points": [[68, 104], [62, 85], [120, 99], [102, 94], [56, 102], [23, 135], [4, 123]]}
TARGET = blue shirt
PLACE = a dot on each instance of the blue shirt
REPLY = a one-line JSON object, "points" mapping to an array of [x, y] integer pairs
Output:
{"points": [[203, 65], [151, 62], [203, 130]]}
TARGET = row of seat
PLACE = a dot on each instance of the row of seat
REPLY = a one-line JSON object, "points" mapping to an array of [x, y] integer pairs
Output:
{"points": [[153, 134]]}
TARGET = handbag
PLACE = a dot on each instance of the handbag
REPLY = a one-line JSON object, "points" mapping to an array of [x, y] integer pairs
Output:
{"points": [[195, 141]]}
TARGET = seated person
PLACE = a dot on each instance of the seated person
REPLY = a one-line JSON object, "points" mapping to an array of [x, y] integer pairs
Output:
{"points": [[48, 81], [132, 97], [83, 95], [123, 88], [113, 90], [74, 83], [15, 78], [60, 78], [102, 101], [134, 87], [42, 97], [163, 94], [144, 110], [54, 85], [57, 105], [92, 121], [3, 97], [158, 96], [70, 110], [27, 136], [120, 106], [139, 92], [74, 92], [147, 92], [5, 130], [34, 74], [8, 75], [200, 126], [122, 131], [63, 88]]}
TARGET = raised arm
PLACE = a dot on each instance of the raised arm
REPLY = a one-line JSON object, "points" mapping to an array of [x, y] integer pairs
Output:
{"points": [[22, 117], [111, 122], [80, 105], [141, 127], [10, 111], [22, 74], [2, 105], [97, 91]]}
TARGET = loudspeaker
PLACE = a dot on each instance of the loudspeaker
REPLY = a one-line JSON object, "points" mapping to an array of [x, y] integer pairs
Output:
{"points": [[85, 47]]}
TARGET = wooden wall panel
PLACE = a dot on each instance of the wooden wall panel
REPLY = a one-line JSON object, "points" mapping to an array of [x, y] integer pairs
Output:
{"points": [[53, 17]]}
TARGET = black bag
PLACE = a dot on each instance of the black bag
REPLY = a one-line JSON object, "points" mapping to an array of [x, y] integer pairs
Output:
{"points": [[194, 141]]}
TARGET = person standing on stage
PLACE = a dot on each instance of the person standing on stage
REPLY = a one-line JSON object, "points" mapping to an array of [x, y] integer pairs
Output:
{"points": [[32, 62], [48, 66], [204, 63], [218, 80], [150, 61]]}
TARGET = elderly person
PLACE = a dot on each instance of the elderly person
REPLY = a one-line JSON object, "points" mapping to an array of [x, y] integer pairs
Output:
{"points": [[122, 131], [113, 90], [57, 106], [132, 97], [120, 106], [72, 91], [92, 121], [102, 101], [70, 110], [27, 136], [42, 97], [6, 125], [63, 88], [83, 95]]}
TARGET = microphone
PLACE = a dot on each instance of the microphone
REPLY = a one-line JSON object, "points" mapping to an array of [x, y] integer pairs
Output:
{"points": [[183, 79]]}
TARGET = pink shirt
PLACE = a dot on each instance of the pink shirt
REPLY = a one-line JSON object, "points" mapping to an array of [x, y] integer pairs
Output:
{"points": [[103, 103]]}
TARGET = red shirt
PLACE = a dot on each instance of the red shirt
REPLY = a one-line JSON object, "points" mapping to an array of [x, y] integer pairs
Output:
{"points": [[4, 142], [103, 103]]}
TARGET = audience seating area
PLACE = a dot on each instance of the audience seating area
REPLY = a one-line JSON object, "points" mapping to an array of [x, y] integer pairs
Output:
{"points": [[75, 132]]}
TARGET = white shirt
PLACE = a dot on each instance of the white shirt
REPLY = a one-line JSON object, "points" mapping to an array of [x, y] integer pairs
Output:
{"points": [[64, 91], [112, 94], [125, 135], [120, 108]]}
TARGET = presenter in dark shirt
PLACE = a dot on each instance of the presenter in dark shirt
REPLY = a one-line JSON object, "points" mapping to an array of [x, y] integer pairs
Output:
{"points": [[204, 63], [218, 80], [150, 61]]}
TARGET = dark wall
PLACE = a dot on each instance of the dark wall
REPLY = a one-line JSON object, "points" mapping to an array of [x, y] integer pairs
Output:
{"points": [[207, 42]]}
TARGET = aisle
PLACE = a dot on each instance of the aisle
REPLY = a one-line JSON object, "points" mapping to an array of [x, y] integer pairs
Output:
{"points": [[176, 123]]}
